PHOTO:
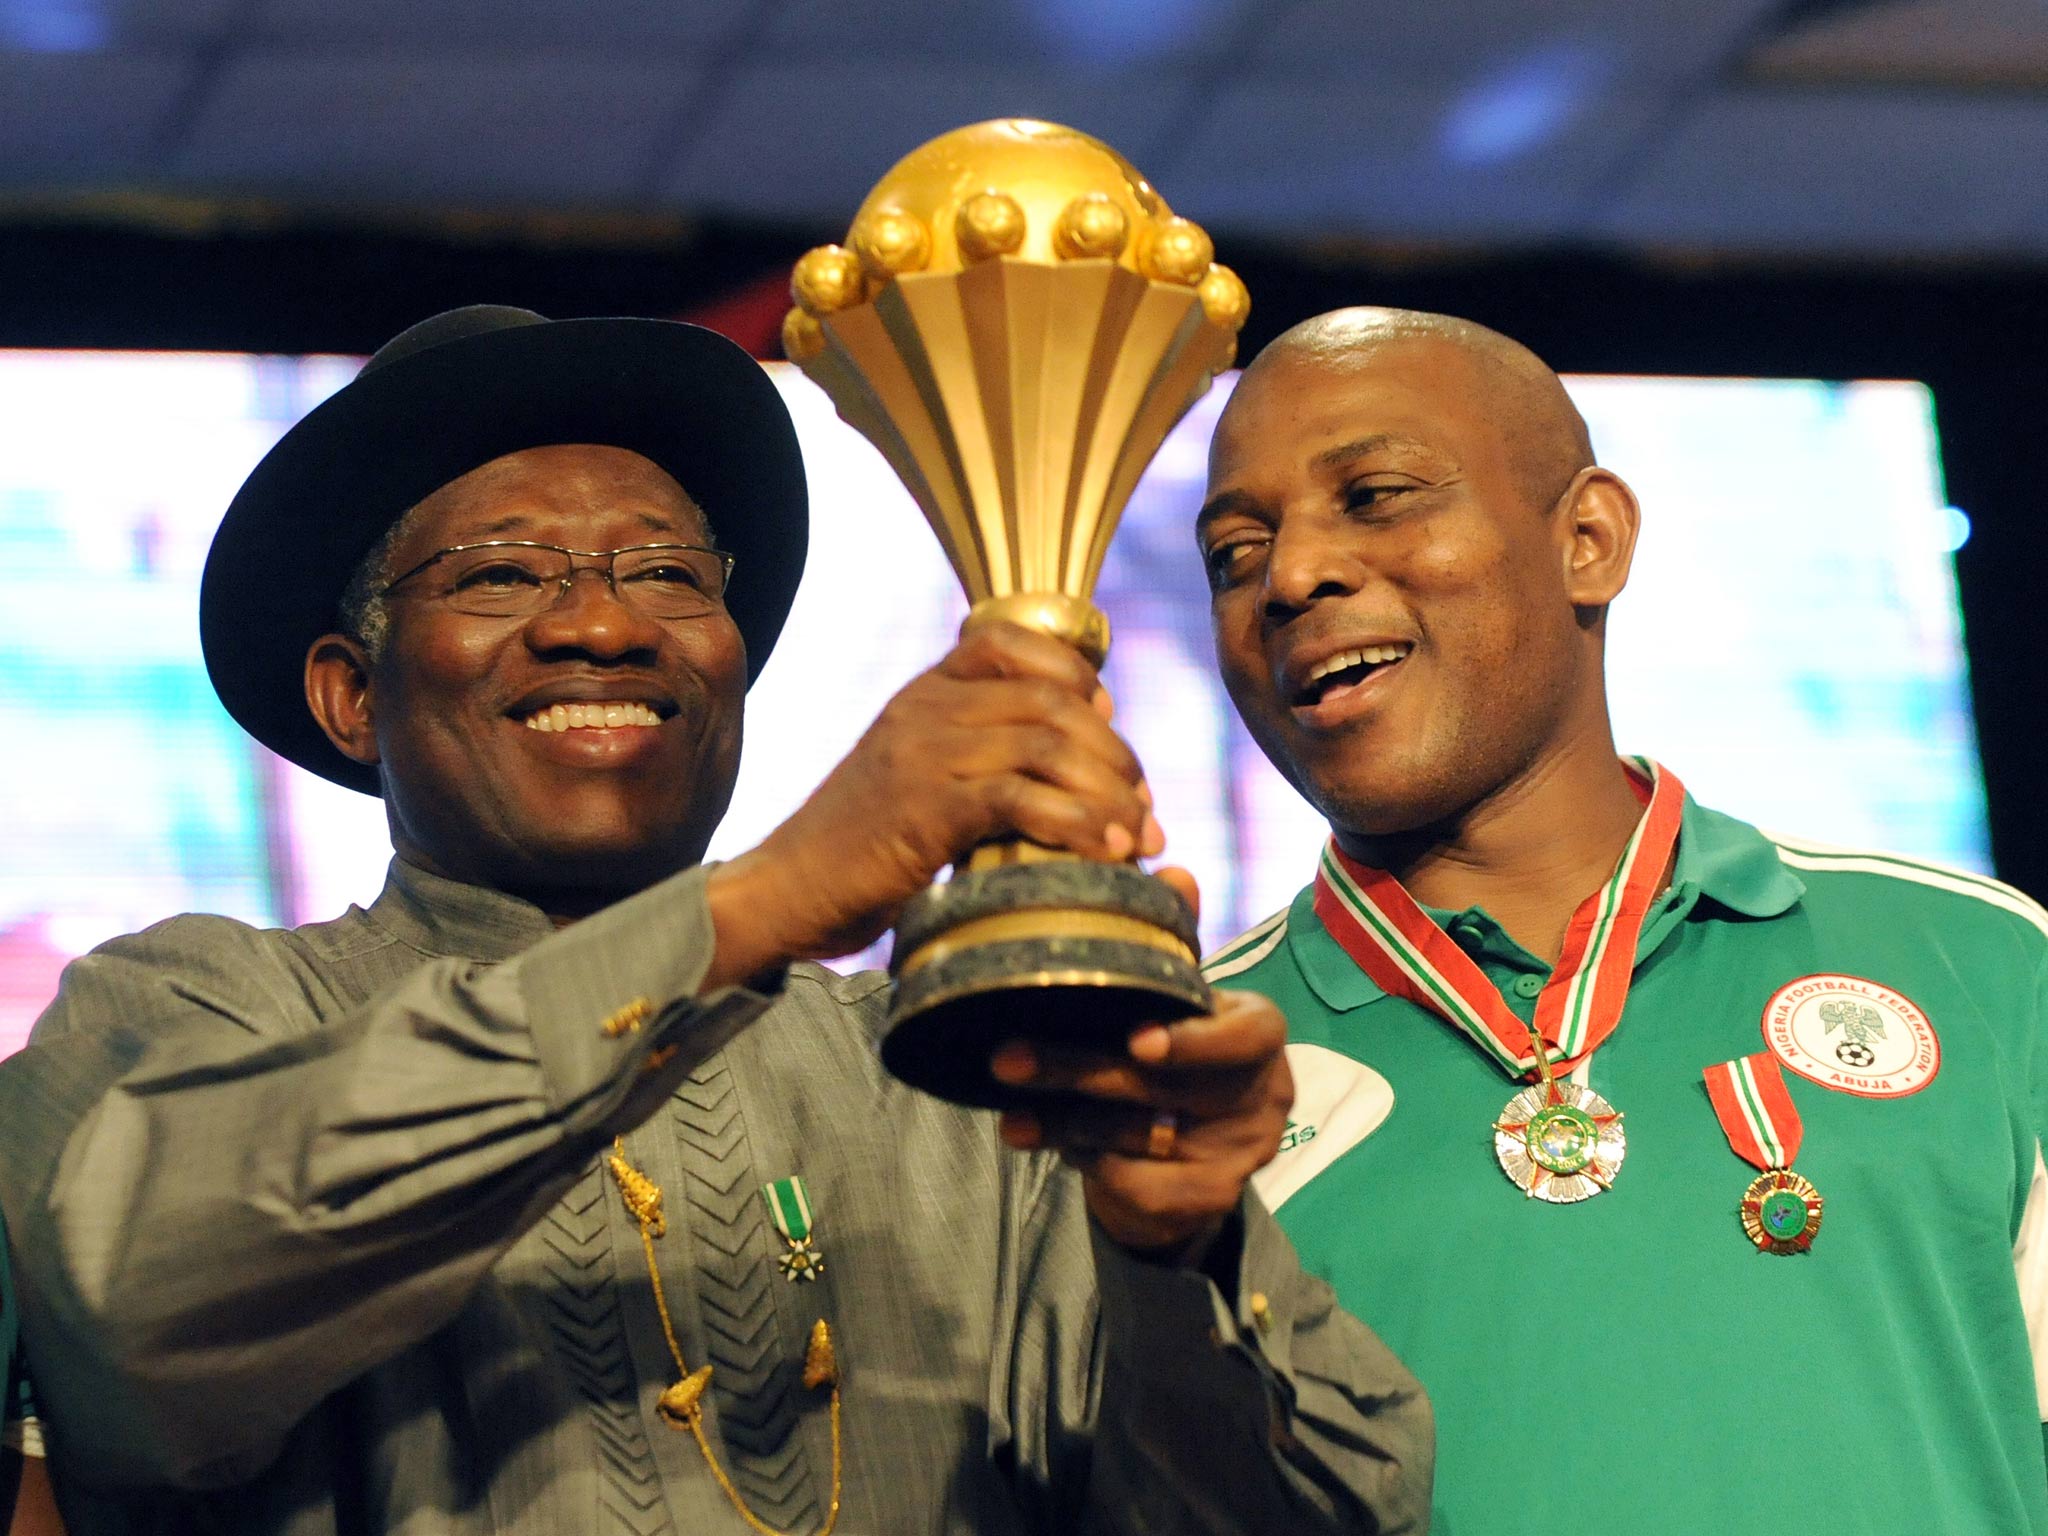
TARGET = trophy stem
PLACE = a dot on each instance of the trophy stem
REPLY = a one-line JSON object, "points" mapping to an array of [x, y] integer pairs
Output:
{"points": [[1078, 623]]}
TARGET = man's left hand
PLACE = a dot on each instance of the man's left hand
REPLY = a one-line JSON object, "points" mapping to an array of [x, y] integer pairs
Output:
{"points": [[1165, 1133]]}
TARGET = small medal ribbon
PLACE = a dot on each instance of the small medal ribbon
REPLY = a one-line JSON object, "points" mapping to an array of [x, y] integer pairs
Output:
{"points": [[1408, 955], [1756, 1110], [789, 1207], [1781, 1210]]}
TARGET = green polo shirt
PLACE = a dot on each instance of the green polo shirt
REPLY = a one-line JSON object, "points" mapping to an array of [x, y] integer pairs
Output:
{"points": [[1632, 1364]]}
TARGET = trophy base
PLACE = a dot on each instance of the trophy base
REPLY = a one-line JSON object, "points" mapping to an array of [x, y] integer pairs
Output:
{"points": [[1065, 952]]}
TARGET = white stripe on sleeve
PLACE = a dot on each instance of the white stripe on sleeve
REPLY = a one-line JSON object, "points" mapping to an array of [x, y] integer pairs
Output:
{"points": [[2030, 1268], [24, 1437]]}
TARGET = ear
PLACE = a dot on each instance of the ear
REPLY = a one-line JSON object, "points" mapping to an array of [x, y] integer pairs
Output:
{"points": [[338, 693], [1600, 538]]}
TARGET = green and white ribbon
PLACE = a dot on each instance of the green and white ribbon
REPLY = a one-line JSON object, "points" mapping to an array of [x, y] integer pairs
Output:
{"points": [[789, 1207]]}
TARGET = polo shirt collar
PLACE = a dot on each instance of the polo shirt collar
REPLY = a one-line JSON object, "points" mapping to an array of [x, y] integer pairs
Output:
{"points": [[1720, 860], [1733, 865]]}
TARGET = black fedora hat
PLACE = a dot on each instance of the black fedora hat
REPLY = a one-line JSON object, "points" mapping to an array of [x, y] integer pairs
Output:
{"points": [[448, 396]]}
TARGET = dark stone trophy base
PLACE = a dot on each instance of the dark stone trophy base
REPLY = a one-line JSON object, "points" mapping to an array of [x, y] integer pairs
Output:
{"points": [[1057, 951]]}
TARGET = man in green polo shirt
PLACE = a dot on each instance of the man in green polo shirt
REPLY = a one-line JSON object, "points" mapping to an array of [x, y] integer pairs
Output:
{"points": [[1755, 1240]]}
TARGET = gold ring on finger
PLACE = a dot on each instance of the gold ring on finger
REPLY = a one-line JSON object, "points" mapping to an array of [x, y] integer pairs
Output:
{"points": [[1164, 1135]]}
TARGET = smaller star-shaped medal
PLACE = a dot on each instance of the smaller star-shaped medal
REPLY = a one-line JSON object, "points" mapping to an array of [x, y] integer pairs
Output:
{"points": [[802, 1262], [1781, 1212]]}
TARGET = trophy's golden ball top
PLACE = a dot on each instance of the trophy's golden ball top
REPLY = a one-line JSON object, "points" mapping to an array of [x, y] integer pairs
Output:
{"points": [[1013, 187], [967, 182]]}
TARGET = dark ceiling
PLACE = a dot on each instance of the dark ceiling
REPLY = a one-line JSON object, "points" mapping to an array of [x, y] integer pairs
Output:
{"points": [[1763, 127]]}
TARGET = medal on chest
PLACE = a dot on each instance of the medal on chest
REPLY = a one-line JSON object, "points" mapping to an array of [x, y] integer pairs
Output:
{"points": [[1780, 1210], [789, 1207], [1559, 1141]]}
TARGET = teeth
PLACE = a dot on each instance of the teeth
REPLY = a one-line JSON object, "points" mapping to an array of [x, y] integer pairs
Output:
{"points": [[583, 717], [1370, 656]]}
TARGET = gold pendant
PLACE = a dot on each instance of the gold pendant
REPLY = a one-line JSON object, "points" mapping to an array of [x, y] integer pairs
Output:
{"points": [[1560, 1142], [681, 1403]]}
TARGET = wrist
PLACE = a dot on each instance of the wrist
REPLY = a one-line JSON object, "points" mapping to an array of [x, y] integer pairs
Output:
{"points": [[746, 910]]}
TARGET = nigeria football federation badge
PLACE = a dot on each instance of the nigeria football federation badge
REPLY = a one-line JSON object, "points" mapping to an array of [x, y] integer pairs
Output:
{"points": [[789, 1206], [1780, 1210], [1853, 1036], [1559, 1142]]}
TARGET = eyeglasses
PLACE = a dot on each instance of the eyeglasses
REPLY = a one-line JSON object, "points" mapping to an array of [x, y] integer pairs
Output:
{"points": [[515, 578]]}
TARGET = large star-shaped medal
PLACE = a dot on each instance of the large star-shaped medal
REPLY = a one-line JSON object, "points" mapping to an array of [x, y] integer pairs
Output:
{"points": [[1562, 1143]]}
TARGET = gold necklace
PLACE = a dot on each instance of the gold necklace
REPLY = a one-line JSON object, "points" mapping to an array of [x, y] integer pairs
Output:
{"points": [[682, 1405]]}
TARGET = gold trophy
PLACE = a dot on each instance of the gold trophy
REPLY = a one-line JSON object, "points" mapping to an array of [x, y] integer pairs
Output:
{"points": [[1016, 321]]}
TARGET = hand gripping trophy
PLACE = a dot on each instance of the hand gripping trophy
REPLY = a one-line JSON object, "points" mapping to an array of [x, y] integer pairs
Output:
{"points": [[1016, 321]]}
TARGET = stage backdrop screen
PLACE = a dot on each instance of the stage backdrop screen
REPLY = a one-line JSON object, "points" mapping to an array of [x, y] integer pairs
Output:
{"points": [[1789, 644]]}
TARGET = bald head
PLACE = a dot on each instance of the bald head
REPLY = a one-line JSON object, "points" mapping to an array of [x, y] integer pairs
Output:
{"points": [[1410, 556], [1516, 390]]}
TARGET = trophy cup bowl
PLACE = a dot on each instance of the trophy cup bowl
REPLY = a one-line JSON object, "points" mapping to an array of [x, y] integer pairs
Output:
{"points": [[1017, 320]]}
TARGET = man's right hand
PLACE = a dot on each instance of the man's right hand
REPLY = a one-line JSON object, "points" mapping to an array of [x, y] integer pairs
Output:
{"points": [[1008, 736]]}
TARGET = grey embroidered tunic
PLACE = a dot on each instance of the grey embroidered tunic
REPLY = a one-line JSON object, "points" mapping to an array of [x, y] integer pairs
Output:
{"points": [[314, 1235]]}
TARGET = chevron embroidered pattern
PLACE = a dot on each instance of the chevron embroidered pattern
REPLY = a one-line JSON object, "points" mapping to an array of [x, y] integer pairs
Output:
{"points": [[589, 1334], [755, 1384]]}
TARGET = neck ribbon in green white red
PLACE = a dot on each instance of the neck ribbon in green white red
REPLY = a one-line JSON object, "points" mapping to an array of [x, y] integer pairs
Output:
{"points": [[1756, 1110], [1407, 955]]}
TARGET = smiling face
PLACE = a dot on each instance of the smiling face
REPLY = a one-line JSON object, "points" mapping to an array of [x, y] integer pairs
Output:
{"points": [[1396, 567], [572, 756]]}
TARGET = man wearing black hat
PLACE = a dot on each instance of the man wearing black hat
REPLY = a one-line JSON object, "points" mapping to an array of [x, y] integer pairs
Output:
{"points": [[550, 1194]]}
